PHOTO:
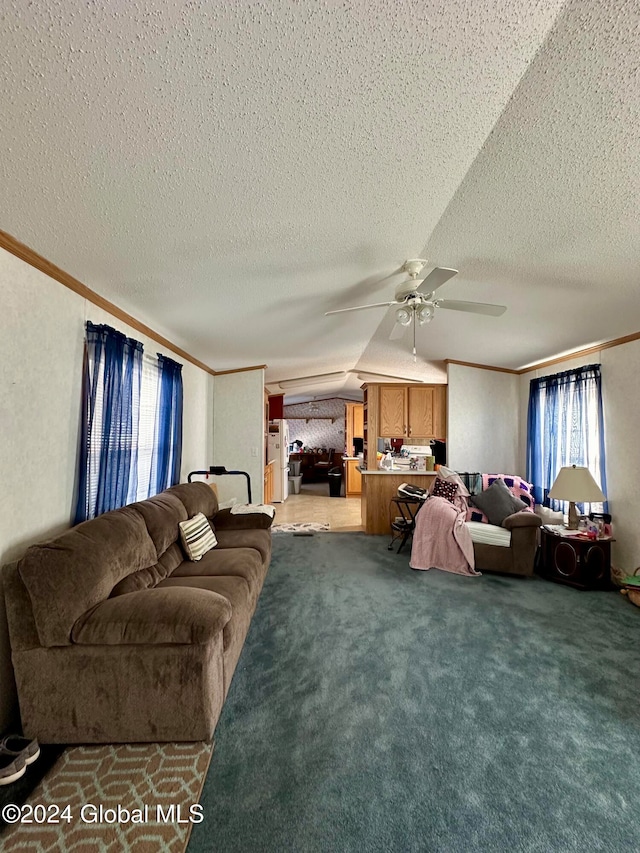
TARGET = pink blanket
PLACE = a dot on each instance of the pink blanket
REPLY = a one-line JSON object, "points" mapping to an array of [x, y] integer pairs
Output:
{"points": [[441, 539]]}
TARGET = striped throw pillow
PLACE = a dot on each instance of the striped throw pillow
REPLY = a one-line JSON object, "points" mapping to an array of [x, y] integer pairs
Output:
{"points": [[197, 537]]}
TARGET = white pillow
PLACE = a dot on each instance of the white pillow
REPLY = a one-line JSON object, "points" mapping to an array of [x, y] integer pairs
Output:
{"points": [[197, 536]]}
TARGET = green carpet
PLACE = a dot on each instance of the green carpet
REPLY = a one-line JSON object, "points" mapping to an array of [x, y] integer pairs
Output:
{"points": [[379, 709]]}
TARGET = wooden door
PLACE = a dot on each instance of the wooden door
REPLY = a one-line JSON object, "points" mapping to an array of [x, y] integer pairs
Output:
{"points": [[393, 411]]}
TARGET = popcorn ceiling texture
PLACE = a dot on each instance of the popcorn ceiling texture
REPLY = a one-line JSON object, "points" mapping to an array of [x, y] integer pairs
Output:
{"points": [[229, 171]]}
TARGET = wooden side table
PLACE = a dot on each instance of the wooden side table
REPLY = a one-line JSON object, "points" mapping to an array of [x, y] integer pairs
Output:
{"points": [[579, 562]]}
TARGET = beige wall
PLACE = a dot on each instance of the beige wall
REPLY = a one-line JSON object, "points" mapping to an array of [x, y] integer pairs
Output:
{"points": [[41, 346], [621, 405], [238, 429], [483, 420]]}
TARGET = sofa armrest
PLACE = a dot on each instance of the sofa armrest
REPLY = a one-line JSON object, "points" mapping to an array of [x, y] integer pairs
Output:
{"points": [[152, 616], [522, 519], [224, 519]]}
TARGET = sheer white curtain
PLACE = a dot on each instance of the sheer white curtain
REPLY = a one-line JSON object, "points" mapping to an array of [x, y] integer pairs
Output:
{"points": [[147, 425]]}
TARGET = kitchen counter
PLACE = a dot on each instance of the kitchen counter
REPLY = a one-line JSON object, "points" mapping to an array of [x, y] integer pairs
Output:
{"points": [[378, 487], [403, 472]]}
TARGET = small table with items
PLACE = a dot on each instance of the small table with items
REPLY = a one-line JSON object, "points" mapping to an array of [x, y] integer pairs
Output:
{"points": [[569, 557], [402, 512]]}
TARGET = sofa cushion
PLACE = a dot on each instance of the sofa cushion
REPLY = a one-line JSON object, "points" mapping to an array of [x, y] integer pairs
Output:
{"points": [[197, 537], [196, 497], [236, 591], [237, 562], [144, 579], [72, 573], [153, 616], [496, 502], [148, 578], [489, 534], [162, 514], [258, 540]]}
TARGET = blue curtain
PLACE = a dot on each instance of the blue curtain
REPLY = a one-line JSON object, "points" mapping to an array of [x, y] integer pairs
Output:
{"points": [[167, 453], [108, 462], [565, 427]]}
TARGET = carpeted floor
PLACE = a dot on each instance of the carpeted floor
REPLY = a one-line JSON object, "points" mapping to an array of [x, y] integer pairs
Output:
{"points": [[379, 709]]}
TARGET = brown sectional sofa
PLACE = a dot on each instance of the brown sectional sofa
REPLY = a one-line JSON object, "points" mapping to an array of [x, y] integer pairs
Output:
{"points": [[117, 638]]}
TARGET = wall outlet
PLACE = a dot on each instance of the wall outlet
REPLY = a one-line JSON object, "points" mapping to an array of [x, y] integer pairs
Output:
{"points": [[254, 452]]}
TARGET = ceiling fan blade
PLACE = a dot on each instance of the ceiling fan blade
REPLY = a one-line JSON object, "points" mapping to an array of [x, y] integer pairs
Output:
{"points": [[472, 307], [436, 278], [397, 332], [360, 308]]}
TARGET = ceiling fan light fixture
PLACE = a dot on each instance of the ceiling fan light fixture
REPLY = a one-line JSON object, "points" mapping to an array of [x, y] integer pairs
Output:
{"points": [[424, 314], [403, 316]]}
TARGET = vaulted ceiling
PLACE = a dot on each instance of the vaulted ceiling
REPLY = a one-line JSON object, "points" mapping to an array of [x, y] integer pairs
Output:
{"points": [[227, 172]]}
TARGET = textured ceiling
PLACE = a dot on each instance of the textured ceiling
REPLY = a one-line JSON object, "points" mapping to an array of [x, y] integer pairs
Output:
{"points": [[228, 172]]}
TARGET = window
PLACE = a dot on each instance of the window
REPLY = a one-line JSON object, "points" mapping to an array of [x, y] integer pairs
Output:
{"points": [[565, 427], [131, 437]]}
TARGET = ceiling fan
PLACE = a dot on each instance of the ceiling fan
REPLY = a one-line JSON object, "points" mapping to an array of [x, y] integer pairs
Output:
{"points": [[419, 305]]}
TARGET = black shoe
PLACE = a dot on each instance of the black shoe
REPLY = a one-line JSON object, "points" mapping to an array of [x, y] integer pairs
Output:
{"points": [[18, 745], [12, 767]]}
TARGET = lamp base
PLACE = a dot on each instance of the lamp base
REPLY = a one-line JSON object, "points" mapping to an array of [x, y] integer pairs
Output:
{"points": [[574, 518]]}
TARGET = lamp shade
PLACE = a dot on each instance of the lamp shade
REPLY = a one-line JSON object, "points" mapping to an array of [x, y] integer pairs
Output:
{"points": [[575, 483]]}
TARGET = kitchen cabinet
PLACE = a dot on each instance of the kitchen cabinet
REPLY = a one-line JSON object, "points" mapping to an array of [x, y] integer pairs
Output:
{"points": [[268, 483], [392, 419], [426, 407], [354, 426], [412, 411], [358, 420], [353, 485]]}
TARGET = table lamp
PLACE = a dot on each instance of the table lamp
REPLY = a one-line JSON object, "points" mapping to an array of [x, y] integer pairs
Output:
{"points": [[575, 484]]}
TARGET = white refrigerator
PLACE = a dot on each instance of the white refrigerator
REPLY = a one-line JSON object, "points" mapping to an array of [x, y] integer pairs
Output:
{"points": [[278, 453]]}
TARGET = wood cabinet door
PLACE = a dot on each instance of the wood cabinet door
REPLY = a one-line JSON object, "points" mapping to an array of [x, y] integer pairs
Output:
{"points": [[427, 411], [420, 403], [440, 412], [268, 484], [354, 478], [358, 420], [393, 411]]}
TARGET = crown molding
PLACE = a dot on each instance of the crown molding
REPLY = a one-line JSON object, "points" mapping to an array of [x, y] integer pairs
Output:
{"points": [[240, 370], [615, 342], [24, 253], [448, 361]]}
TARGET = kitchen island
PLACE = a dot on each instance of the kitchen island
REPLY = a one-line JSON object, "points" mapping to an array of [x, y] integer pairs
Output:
{"points": [[378, 487]]}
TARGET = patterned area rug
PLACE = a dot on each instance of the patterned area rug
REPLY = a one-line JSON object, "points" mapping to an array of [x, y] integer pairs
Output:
{"points": [[307, 527], [156, 786]]}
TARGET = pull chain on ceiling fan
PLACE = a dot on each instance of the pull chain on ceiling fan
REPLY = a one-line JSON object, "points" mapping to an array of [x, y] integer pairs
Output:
{"points": [[419, 306]]}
